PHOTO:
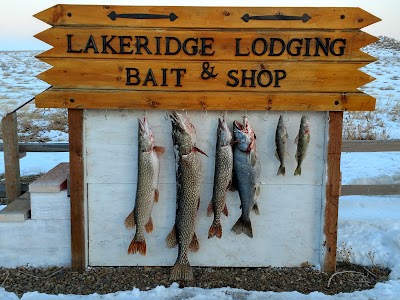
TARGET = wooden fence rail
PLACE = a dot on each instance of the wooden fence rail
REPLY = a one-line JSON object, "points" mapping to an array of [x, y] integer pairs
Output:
{"points": [[347, 146]]}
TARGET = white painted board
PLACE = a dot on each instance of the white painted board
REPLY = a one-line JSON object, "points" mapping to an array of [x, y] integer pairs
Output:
{"points": [[35, 243], [287, 233]]}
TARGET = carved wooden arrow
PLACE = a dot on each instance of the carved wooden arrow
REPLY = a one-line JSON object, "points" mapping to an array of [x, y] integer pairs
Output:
{"points": [[304, 18], [113, 16]]}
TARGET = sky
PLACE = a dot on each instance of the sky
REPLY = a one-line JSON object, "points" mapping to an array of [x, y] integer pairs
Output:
{"points": [[18, 26]]}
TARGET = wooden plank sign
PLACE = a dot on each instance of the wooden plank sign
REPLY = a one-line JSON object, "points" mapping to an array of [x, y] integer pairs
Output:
{"points": [[298, 58]]}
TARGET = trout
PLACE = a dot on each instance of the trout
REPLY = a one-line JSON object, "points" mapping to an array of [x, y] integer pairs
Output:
{"points": [[246, 170], [281, 137], [188, 178], [302, 140], [222, 178], [147, 188]]}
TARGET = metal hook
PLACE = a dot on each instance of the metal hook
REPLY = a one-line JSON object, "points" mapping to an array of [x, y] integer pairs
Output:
{"points": [[166, 116], [286, 119], [106, 114], [206, 115], [225, 115]]}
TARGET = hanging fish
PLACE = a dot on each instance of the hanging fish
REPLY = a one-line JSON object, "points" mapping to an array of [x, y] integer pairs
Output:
{"points": [[246, 170], [222, 177], [188, 178], [147, 188], [302, 140], [281, 153]]}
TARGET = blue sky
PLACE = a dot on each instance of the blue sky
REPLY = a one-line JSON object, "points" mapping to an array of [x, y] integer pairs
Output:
{"points": [[18, 26]]}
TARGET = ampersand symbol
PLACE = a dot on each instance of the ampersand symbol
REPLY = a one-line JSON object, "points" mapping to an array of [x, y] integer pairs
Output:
{"points": [[206, 74]]}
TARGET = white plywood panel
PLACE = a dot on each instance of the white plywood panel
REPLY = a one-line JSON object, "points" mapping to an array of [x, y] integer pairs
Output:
{"points": [[35, 243], [50, 206], [286, 233], [111, 145]]}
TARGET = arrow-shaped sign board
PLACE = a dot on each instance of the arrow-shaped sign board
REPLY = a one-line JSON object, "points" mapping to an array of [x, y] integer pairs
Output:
{"points": [[282, 58]]}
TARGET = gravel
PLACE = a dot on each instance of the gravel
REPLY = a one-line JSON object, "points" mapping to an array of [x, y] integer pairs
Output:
{"points": [[103, 280]]}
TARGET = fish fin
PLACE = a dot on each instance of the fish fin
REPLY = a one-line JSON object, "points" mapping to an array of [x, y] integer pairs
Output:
{"points": [[281, 170], [308, 138], [149, 226], [287, 155], [130, 221], [136, 246], [255, 209], [243, 226], [210, 209], [200, 151], [198, 204], [296, 140], [156, 195], [181, 272], [297, 171], [258, 190], [276, 154], [159, 150], [215, 230], [194, 244], [171, 240], [225, 210]]}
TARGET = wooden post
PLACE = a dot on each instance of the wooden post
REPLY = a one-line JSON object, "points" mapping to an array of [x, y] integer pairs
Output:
{"points": [[11, 157], [333, 189], [78, 238]]}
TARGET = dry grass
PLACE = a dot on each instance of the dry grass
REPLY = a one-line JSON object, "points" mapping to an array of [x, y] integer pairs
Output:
{"points": [[32, 123]]}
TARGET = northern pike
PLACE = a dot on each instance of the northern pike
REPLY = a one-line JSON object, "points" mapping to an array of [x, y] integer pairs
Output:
{"points": [[188, 178], [281, 137], [222, 177], [147, 188], [246, 170], [302, 140]]}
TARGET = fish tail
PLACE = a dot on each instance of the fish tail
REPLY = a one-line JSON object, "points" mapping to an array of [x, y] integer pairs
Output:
{"points": [[182, 271], [137, 246], [297, 171], [215, 230], [243, 226], [281, 170]]}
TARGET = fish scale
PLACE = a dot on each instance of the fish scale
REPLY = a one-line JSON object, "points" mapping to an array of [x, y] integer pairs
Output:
{"points": [[222, 178], [147, 190], [246, 170], [188, 177]]}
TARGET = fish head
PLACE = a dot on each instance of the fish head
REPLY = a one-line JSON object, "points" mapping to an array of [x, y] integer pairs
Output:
{"points": [[223, 133], [304, 126], [183, 133], [244, 136], [146, 136]]}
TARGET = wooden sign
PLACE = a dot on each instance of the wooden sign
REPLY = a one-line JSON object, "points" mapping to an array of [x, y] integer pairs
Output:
{"points": [[206, 58]]}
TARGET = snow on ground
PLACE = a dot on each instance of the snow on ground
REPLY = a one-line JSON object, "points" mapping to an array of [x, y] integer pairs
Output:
{"points": [[368, 228]]}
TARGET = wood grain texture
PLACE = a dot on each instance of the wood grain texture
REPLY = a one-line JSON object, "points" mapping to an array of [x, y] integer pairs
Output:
{"points": [[223, 45], [332, 190], [207, 17], [370, 146], [11, 157], [77, 198], [376, 189], [113, 74], [113, 99], [53, 181]]}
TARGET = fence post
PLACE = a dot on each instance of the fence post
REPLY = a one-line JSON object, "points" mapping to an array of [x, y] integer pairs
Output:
{"points": [[11, 157]]}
